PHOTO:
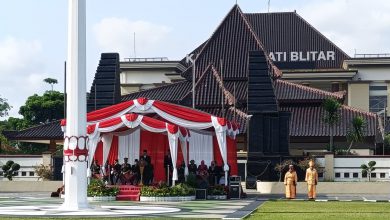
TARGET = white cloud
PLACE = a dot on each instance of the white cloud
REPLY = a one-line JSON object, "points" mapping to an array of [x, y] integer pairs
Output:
{"points": [[117, 35], [351, 24], [21, 71]]}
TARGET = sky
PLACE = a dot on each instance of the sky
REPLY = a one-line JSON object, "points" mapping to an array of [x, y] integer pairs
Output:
{"points": [[33, 33]]}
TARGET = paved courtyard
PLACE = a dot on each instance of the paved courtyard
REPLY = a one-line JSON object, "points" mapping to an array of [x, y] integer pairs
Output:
{"points": [[38, 204]]}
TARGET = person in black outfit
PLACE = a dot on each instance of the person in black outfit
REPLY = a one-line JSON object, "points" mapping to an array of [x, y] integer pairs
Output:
{"points": [[95, 169], [136, 172], [126, 171], [192, 168], [212, 173], [181, 172], [168, 163], [116, 171], [218, 172], [146, 157]]}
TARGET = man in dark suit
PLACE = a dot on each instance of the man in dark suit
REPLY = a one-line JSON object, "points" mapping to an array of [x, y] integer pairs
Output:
{"points": [[192, 168], [146, 157], [168, 164], [136, 172]]}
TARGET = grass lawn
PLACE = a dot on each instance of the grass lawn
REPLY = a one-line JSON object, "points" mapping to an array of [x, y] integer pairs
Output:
{"points": [[291, 210]]}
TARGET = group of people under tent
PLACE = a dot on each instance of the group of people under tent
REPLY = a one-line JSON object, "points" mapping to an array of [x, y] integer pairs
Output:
{"points": [[142, 171], [291, 180]]}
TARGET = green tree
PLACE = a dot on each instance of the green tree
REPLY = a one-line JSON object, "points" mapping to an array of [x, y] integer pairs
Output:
{"points": [[4, 107], [50, 81], [10, 169], [331, 116], [367, 169], [356, 132], [41, 109]]}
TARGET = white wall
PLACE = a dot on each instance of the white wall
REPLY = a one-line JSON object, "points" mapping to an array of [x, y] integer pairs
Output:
{"points": [[143, 77], [27, 164], [352, 165], [374, 74]]}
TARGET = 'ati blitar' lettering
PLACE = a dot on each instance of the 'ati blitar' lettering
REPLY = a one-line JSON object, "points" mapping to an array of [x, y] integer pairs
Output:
{"points": [[302, 56]]}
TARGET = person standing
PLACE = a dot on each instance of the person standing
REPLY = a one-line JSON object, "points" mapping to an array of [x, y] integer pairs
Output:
{"points": [[290, 181], [146, 157], [312, 180], [168, 168], [116, 172]]}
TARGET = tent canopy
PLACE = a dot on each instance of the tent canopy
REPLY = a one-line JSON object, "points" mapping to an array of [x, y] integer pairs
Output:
{"points": [[175, 114], [179, 118]]}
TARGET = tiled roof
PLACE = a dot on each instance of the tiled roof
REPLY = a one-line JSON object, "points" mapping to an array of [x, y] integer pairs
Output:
{"points": [[288, 91], [229, 45], [51, 130], [170, 93], [308, 121], [287, 31]]}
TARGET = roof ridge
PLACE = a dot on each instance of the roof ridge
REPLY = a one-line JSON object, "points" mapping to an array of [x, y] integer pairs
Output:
{"points": [[275, 69], [311, 89], [238, 111], [230, 97], [318, 32], [235, 7], [359, 110]]}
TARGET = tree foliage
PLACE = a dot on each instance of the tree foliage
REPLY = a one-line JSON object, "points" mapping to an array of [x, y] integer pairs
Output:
{"points": [[51, 81], [4, 107], [356, 132], [331, 116], [10, 169], [45, 108], [367, 169]]}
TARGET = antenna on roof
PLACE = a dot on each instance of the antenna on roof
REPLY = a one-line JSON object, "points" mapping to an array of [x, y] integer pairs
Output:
{"points": [[135, 54], [269, 4]]}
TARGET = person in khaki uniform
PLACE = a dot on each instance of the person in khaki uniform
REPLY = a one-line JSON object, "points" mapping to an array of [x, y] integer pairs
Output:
{"points": [[290, 181], [312, 180]]}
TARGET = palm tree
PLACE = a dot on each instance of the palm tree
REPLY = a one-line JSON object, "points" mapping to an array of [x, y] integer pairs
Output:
{"points": [[367, 170], [51, 81], [355, 134], [331, 116]]}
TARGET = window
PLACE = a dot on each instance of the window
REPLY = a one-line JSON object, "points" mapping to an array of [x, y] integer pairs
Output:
{"points": [[24, 173], [364, 175], [337, 175], [346, 175], [377, 103], [373, 175], [16, 173], [1, 173], [355, 175], [378, 88], [382, 175], [31, 173], [320, 175]]}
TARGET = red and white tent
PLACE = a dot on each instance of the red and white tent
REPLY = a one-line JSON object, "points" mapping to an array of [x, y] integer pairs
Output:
{"points": [[179, 118], [123, 125]]}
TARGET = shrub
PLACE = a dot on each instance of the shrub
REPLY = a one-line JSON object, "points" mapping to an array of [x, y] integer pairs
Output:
{"points": [[163, 190], [98, 188], [217, 190], [44, 172]]}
